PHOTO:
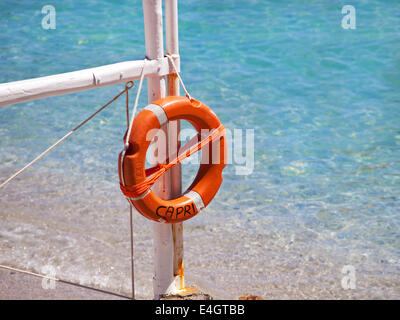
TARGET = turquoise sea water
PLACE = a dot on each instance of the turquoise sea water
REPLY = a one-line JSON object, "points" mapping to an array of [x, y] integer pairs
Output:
{"points": [[324, 103]]}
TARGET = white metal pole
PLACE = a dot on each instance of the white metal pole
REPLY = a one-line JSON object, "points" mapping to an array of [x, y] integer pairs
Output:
{"points": [[162, 233], [172, 48]]}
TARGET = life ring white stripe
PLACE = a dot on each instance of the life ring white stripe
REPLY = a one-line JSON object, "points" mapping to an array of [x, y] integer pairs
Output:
{"points": [[159, 112], [196, 198]]}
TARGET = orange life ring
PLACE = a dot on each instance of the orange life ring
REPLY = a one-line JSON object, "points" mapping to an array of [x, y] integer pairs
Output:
{"points": [[131, 162]]}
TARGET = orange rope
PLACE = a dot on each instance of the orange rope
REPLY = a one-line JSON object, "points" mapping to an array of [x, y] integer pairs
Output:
{"points": [[156, 172]]}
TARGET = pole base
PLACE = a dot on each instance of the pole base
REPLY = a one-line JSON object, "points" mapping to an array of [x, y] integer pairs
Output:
{"points": [[188, 293]]}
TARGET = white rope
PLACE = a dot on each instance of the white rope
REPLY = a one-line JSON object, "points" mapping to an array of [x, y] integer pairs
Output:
{"points": [[36, 159], [135, 106], [30, 273], [130, 125], [179, 77]]}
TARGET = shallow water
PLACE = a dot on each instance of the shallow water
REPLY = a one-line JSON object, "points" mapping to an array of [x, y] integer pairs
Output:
{"points": [[324, 104]]}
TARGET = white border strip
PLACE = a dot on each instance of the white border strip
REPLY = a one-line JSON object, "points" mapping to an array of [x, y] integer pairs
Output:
{"points": [[159, 112], [196, 198]]}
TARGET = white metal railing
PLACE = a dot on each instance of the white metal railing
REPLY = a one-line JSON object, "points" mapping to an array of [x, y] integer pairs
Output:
{"points": [[37, 88]]}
